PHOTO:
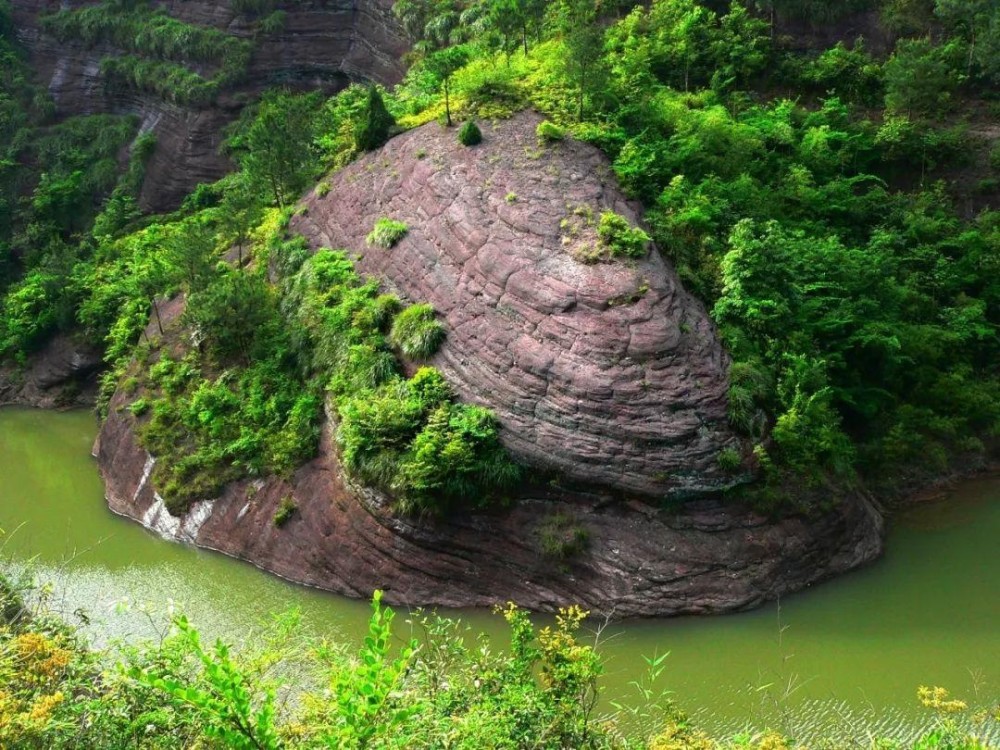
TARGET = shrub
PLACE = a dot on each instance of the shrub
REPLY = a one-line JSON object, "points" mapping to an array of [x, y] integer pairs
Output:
{"points": [[285, 511], [139, 407], [549, 131], [620, 237], [273, 22], [470, 134], [323, 189], [729, 459], [511, 197], [561, 536], [387, 233], [416, 333], [374, 122]]}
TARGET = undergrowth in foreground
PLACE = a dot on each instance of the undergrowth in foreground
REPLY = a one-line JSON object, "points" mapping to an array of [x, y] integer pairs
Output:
{"points": [[439, 688]]}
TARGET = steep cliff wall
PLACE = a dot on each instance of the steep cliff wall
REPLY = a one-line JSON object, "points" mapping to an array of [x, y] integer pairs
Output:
{"points": [[321, 45]]}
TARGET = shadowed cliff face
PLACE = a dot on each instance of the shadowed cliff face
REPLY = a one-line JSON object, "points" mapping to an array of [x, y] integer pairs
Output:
{"points": [[707, 557], [322, 45], [607, 373]]}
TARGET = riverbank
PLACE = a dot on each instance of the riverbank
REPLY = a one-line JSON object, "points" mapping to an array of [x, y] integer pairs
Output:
{"points": [[856, 646]]}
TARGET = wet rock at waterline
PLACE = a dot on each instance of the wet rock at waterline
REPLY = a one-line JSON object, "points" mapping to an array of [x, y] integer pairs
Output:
{"points": [[638, 561], [62, 373]]}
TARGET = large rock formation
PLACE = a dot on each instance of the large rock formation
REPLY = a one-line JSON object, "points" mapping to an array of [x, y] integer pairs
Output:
{"points": [[607, 373], [705, 557], [608, 376], [323, 44]]}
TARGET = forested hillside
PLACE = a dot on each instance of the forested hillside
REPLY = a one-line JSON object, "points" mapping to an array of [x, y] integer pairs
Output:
{"points": [[834, 208]]}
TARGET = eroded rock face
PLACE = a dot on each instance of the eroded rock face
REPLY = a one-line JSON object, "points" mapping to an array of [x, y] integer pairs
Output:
{"points": [[533, 333], [608, 373], [704, 558], [62, 374], [322, 45]]}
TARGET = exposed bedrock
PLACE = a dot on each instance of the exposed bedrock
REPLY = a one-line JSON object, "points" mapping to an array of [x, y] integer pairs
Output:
{"points": [[704, 558], [322, 45], [607, 373], [63, 373]]}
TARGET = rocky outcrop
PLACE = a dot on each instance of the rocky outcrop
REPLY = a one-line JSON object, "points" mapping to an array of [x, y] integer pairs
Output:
{"points": [[704, 557], [321, 45], [62, 374], [606, 373], [620, 394]]}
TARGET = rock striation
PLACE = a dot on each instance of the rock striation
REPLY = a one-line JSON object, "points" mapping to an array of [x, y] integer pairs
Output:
{"points": [[605, 373], [607, 377], [323, 44], [703, 558], [62, 374]]}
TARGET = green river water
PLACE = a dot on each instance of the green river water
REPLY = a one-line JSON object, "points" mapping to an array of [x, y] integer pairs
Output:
{"points": [[850, 652]]}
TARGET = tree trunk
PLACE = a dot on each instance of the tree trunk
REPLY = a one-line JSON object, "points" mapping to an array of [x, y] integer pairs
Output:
{"points": [[447, 103], [972, 52], [156, 312]]}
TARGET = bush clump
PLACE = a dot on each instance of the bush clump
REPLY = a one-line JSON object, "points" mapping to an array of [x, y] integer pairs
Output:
{"points": [[729, 459], [285, 511], [416, 333], [387, 233], [549, 132], [410, 438], [620, 237], [470, 134], [561, 536], [374, 122]]}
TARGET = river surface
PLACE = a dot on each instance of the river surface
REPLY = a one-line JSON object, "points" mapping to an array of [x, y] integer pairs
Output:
{"points": [[849, 652]]}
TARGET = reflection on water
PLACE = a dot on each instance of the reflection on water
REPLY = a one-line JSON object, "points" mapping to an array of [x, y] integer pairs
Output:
{"points": [[849, 653]]}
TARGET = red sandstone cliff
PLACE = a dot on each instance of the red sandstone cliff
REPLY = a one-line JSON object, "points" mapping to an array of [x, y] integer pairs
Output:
{"points": [[619, 392], [324, 44]]}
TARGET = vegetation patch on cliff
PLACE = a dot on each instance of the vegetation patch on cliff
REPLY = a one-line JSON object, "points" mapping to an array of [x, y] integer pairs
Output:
{"points": [[158, 48]]}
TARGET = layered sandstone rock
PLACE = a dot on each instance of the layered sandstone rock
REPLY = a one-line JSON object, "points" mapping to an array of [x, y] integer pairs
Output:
{"points": [[61, 374], [606, 373], [322, 45], [705, 557]]}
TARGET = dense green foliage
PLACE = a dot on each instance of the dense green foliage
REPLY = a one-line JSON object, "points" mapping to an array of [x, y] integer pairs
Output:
{"points": [[52, 177], [856, 293], [620, 237], [408, 436], [416, 333], [374, 123], [440, 687], [158, 49]]}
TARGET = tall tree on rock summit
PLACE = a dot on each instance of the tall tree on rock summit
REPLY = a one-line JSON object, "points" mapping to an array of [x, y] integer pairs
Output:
{"points": [[437, 30], [583, 39]]}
